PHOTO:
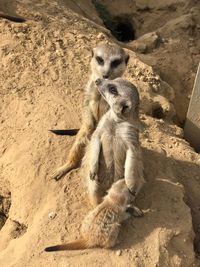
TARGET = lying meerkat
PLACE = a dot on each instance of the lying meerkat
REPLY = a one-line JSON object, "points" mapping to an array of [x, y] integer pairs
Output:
{"points": [[108, 62], [101, 226], [114, 151]]}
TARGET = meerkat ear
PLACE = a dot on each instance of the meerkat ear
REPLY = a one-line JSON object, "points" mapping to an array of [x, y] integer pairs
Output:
{"points": [[92, 52], [127, 58], [125, 107], [122, 107]]}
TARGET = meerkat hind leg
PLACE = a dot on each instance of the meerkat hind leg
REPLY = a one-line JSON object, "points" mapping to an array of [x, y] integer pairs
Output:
{"points": [[60, 172], [76, 153]]}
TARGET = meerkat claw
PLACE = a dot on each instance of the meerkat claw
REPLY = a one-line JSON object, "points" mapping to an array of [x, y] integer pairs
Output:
{"points": [[59, 173], [92, 175], [135, 211], [56, 176]]}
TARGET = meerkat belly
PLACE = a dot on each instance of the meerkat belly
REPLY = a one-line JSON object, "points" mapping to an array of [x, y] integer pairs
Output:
{"points": [[119, 157], [106, 163]]}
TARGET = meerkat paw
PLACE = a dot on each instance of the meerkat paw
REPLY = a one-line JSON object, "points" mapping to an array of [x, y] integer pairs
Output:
{"points": [[60, 172], [93, 173], [135, 211]]}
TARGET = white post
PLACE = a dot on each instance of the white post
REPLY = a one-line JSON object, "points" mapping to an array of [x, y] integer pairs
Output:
{"points": [[192, 123]]}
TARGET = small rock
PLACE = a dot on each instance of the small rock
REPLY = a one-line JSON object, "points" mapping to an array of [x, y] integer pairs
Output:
{"points": [[142, 5], [101, 36], [119, 252], [161, 151], [147, 42], [198, 161], [52, 215], [140, 47], [155, 88], [194, 50], [54, 75], [143, 79]]}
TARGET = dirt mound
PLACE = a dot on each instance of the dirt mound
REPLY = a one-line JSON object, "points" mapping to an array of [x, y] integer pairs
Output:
{"points": [[44, 67]]}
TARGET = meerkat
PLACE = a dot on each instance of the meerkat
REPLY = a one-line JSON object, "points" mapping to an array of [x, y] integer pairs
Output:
{"points": [[114, 150], [12, 18], [108, 62], [101, 226]]}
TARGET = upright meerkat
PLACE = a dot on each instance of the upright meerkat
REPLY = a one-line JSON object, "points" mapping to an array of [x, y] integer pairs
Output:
{"points": [[108, 62], [114, 151], [101, 226]]}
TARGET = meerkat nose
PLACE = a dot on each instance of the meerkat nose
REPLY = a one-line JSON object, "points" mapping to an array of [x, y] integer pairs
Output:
{"points": [[105, 76], [98, 82]]}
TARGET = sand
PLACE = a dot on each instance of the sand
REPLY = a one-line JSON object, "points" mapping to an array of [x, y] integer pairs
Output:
{"points": [[44, 66]]}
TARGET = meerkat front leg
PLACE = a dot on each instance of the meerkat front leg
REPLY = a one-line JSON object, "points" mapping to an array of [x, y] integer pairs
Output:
{"points": [[94, 190], [134, 176], [134, 170], [94, 163]]}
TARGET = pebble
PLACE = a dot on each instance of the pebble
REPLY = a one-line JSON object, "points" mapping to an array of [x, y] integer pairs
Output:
{"points": [[101, 36], [155, 88], [119, 252], [161, 151], [198, 161], [143, 79], [194, 50], [52, 215]]}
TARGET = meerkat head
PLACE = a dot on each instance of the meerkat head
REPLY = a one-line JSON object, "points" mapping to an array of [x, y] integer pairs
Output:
{"points": [[119, 193], [121, 95], [108, 61]]}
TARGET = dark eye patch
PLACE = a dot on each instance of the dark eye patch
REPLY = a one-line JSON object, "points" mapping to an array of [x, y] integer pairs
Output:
{"points": [[112, 89], [116, 63], [100, 60], [124, 108]]}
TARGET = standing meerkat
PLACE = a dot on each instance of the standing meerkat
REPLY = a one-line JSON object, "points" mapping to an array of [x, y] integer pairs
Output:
{"points": [[101, 226], [114, 151], [108, 62]]}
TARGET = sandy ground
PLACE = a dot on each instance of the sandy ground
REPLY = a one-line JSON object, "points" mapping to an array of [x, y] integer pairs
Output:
{"points": [[44, 66]]}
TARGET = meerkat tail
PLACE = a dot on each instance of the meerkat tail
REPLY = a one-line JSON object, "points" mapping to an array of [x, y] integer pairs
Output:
{"points": [[69, 132], [12, 18], [74, 245]]}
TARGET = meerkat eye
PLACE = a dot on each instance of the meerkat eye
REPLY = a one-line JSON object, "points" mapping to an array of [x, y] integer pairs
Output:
{"points": [[116, 63], [124, 108], [100, 60], [112, 89]]}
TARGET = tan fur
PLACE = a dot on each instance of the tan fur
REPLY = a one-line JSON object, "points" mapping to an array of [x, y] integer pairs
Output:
{"points": [[114, 151], [94, 105], [101, 226]]}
